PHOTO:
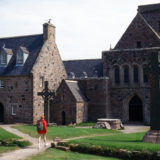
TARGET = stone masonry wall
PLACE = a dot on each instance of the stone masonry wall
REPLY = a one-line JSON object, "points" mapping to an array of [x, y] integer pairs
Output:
{"points": [[121, 94], [17, 91], [138, 30], [97, 93], [49, 66], [64, 102]]}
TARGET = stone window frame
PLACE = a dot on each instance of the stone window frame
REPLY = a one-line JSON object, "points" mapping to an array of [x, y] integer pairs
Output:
{"points": [[41, 81], [1, 83], [14, 107], [138, 44], [116, 77], [145, 77], [124, 75], [136, 78]]}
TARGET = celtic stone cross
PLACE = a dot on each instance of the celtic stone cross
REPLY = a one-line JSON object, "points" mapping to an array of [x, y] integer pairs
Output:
{"points": [[46, 95]]}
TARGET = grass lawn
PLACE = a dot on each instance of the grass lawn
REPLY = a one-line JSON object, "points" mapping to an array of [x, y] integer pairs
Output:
{"points": [[6, 136], [63, 132], [53, 154], [86, 124], [10, 139], [132, 142]]}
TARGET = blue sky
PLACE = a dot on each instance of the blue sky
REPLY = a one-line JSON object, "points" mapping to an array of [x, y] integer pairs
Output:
{"points": [[84, 28]]}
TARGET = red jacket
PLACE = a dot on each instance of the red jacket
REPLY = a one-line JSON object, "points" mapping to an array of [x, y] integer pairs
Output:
{"points": [[44, 126]]}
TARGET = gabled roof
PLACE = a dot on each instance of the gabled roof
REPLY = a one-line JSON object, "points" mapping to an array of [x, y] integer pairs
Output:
{"points": [[139, 30], [75, 90], [8, 51], [31, 43], [90, 67], [24, 49]]}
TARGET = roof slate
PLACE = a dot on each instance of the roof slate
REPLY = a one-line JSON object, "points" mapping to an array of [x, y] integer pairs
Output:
{"points": [[92, 67], [31, 43], [76, 91]]}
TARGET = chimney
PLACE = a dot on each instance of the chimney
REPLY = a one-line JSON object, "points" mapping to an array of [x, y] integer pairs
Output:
{"points": [[48, 31]]}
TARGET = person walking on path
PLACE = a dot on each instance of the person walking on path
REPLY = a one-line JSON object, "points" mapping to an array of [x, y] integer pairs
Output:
{"points": [[42, 130]]}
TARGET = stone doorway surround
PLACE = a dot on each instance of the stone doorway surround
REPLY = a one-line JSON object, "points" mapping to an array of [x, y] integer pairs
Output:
{"points": [[63, 118], [125, 108], [135, 109], [1, 112]]}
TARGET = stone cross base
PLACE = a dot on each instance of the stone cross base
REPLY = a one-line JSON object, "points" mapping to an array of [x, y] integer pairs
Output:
{"points": [[152, 136]]}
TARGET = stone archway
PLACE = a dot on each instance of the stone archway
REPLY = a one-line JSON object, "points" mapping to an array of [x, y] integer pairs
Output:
{"points": [[63, 118], [135, 109], [1, 113]]}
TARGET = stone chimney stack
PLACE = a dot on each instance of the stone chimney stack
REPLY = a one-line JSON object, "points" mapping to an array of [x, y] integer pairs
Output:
{"points": [[48, 31]]}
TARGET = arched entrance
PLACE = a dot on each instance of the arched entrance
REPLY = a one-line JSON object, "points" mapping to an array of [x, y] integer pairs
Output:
{"points": [[1, 113], [135, 109], [63, 118]]}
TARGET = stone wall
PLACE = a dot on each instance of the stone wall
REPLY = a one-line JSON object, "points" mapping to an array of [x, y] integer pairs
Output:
{"points": [[122, 93], [17, 91], [64, 102], [49, 66], [97, 93], [138, 31]]}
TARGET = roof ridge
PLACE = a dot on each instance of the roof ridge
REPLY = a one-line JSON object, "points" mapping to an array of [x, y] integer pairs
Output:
{"points": [[21, 36]]}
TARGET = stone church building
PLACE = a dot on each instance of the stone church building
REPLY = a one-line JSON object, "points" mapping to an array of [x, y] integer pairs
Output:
{"points": [[115, 86]]}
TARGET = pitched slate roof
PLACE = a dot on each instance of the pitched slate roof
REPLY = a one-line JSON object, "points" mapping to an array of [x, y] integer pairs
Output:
{"points": [[76, 91], [32, 43], [90, 67]]}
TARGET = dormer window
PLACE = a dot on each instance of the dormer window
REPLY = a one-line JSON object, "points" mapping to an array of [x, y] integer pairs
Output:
{"points": [[22, 55], [19, 58], [3, 58]]}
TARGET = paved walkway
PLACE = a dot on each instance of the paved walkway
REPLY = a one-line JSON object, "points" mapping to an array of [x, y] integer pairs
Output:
{"points": [[21, 154]]}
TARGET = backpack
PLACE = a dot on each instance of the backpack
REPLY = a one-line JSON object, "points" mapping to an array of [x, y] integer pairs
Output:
{"points": [[40, 126]]}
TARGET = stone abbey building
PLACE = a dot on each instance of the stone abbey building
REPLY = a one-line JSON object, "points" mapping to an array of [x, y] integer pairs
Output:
{"points": [[114, 86]]}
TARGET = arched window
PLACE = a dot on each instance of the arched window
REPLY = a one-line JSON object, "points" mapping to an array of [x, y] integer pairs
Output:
{"points": [[145, 77], [135, 74], [126, 74], [116, 75]]}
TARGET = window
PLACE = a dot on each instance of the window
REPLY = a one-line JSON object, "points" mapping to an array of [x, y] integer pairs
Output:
{"points": [[41, 81], [145, 77], [19, 58], [135, 74], [14, 109], [139, 44], [126, 74], [3, 58], [1, 84], [116, 74]]}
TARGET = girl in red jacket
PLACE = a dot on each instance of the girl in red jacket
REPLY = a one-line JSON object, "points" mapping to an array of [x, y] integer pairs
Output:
{"points": [[42, 130]]}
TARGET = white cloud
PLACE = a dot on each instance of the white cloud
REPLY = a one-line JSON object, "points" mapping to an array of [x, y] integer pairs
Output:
{"points": [[84, 27]]}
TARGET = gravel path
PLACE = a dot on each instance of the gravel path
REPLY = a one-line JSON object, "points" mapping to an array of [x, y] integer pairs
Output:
{"points": [[23, 153]]}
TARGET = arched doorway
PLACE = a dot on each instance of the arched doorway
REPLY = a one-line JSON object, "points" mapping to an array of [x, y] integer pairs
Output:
{"points": [[135, 109], [63, 118], [1, 113]]}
